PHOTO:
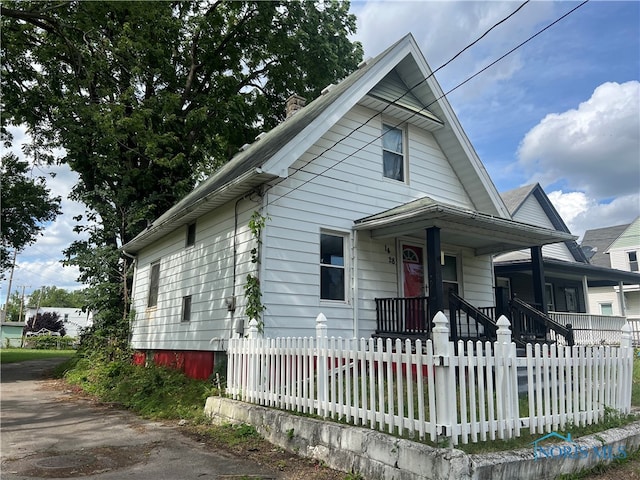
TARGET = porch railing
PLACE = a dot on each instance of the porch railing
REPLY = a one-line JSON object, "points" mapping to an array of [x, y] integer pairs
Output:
{"points": [[403, 316], [590, 329], [532, 326], [468, 322]]}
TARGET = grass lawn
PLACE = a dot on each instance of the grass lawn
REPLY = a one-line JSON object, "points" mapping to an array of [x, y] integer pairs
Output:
{"points": [[12, 355]]}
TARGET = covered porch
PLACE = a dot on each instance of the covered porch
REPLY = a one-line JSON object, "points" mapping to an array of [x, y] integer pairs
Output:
{"points": [[438, 229]]}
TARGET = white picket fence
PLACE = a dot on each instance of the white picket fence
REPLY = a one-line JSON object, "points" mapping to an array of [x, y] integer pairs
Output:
{"points": [[434, 389]]}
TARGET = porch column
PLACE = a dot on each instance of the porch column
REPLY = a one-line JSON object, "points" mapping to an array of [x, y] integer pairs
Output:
{"points": [[434, 272], [537, 267], [585, 294], [623, 306]]}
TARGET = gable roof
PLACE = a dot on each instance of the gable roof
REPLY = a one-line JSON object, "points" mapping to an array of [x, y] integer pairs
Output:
{"points": [[516, 198], [597, 241], [372, 85]]}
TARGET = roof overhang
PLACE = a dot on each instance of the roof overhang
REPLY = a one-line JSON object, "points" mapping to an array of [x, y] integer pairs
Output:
{"points": [[197, 206], [485, 234], [596, 276]]}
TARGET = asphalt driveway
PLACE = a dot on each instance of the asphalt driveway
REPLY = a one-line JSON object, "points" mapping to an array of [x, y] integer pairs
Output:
{"points": [[47, 433]]}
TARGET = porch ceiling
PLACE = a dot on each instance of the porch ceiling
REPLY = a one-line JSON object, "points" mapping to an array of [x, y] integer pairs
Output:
{"points": [[485, 234]]}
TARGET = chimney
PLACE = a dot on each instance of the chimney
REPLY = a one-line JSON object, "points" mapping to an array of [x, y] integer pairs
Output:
{"points": [[294, 103]]}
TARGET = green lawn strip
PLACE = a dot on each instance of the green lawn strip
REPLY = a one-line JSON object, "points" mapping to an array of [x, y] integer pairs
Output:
{"points": [[13, 355]]}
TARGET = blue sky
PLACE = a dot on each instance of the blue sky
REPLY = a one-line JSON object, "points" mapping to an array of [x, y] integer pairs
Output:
{"points": [[563, 110]]}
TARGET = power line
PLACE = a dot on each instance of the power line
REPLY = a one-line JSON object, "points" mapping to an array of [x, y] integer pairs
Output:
{"points": [[424, 108], [408, 91]]}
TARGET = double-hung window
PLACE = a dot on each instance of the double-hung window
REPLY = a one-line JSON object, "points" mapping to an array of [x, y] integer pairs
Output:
{"points": [[332, 267], [633, 261], [393, 152]]}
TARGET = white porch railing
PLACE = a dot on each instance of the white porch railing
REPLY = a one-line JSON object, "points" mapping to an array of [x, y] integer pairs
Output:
{"points": [[433, 389], [589, 329]]}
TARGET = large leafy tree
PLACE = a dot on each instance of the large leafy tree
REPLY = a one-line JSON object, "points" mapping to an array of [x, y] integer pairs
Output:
{"points": [[147, 97], [27, 204]]}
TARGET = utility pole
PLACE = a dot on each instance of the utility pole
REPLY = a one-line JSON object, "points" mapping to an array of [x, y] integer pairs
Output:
{"points": [[22, 302], [13, 266]]}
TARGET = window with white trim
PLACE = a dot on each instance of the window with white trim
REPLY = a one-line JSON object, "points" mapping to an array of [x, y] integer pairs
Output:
{"points": [[633, 261], [191, 235], [606, 308], [332, 267], [154, 284], [393, 152], [186, 308]]}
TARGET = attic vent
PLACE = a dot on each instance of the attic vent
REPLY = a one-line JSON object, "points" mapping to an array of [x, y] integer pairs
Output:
{"points": [[294, 103]]}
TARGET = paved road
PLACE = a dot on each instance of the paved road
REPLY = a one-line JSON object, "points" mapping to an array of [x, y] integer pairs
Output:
{"points": [[49, 434]]}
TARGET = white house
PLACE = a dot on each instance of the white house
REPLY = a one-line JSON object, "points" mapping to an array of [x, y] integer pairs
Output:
{"points": [[74, 319], [616, 247], [376, 204]]}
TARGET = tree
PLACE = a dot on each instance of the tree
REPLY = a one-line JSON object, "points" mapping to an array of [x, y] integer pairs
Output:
{"points": [[57, 297], [148, 97], [49, 320], [26, 205]]}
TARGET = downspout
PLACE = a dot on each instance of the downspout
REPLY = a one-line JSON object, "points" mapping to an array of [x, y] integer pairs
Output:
{"points": [[355, 296]]}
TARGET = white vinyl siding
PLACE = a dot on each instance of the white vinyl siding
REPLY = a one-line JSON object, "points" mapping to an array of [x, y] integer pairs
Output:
{"points": [[531, 212], [205, 272], [341, 185]]}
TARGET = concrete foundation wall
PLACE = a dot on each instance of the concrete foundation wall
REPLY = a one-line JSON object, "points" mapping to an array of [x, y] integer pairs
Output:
{"points": [[376, 455]]}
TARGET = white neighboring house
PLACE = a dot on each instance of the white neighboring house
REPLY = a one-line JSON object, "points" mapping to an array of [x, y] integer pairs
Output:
{"points": [[376, 204], [615, 247], [74, 318]]}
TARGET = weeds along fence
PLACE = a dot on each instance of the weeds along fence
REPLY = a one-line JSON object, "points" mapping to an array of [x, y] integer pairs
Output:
{"points": [[434, 389]]}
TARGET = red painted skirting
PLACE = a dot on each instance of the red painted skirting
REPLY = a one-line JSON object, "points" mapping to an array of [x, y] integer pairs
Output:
{"points": [[194, 364]]}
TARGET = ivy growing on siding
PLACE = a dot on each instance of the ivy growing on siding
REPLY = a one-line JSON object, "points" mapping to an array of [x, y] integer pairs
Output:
{"points": [[252, 291]]}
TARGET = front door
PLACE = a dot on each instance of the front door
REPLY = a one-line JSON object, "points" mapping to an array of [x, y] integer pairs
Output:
{"points": [[413, 287], [412, 271]]}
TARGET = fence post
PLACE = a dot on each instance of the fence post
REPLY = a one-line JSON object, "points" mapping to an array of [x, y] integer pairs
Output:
{"points": [[323, 371], [253, 375], [506, 378], [626, 370], [445, 392], [253, 328]]}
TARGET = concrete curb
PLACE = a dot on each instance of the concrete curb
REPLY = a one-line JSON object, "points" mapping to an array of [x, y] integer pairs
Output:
{"points": [[376, 455]]}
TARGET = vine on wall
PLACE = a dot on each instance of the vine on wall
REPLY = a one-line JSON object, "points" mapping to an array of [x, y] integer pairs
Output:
{"points": [[253, 294]]}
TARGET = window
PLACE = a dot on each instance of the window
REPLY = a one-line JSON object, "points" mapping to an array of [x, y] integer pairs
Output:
{"points": [[392, 153], [332, 268], [66, 318], [191, 235], [154, 283], [606, 308], [633, 261], [548, 295], [450, 275], [186, 308]]}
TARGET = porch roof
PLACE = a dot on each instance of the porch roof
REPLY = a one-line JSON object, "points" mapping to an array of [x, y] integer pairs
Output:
{"points": [[485, 234]]}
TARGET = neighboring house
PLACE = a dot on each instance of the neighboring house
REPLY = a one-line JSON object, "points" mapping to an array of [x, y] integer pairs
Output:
{"points": [[11, 334], [376, 206], [569, 278], [74, 319], [615, 247]]}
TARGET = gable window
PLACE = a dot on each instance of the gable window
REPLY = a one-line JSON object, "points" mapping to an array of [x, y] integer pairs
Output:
{"points": [[633, 261], [154, 284], [332, 267], [191, 235], [186, 308], [393, 152]]}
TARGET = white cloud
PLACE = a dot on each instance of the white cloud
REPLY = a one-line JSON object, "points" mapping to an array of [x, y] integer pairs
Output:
{"points": [[581, 213], [593, 148]]}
